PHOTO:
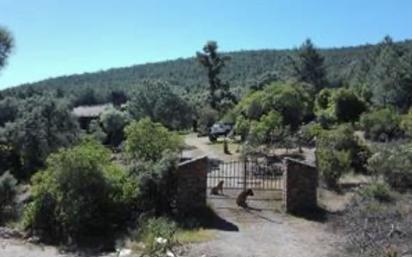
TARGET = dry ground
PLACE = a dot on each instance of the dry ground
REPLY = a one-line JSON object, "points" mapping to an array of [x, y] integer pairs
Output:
{"points": [[263, 231]]}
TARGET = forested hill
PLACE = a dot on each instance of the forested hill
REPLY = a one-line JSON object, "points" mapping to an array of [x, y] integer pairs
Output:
{"points": [[187, 76]]}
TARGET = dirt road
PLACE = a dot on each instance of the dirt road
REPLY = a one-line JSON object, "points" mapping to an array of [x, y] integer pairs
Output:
{"points": [[263, 232], [268, 234], [19, 248]]}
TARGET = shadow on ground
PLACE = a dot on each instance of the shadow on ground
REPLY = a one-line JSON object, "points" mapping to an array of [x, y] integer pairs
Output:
{"points": [[318, 214], [209, 219]]}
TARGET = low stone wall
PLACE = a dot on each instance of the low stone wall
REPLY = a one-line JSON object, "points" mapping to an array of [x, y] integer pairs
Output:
{"points": [[191, 185], [301, 182]]}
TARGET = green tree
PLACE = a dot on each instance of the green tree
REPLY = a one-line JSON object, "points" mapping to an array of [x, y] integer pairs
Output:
{"points": [[348, 107], [381, 124], [6, 45], [44, 125], [8, 192], [9, 107], [156, 100], [147, 140], [267, 130], [207, 117], [309, 66], [113, 122], [391, 76], [220, 97], [80, 195], [97, 132]]}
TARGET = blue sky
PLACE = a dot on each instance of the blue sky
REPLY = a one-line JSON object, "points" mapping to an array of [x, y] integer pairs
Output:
{"points": [[58, 37]]}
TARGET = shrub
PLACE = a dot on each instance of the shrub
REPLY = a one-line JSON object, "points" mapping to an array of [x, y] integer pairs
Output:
{"points": [[207, 117], [80, 194], [406, 123], [267, 130], [97, 132], [342, 139], [310, 132], [113, 122], [348, 107], [378, 191], [8, 191], [332, 164], [291, 101], [158, 101], [155, 228], [394, 164], [325, 118], [338, 151], [381, 125], [147, 140], [242, 127], [156, 183]]}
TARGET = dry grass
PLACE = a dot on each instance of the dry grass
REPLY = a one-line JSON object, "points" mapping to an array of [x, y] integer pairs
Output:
{"points": [[194, 236]]}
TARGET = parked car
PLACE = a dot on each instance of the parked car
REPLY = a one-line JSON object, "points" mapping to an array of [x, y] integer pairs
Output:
{"points": [[220, 129]]}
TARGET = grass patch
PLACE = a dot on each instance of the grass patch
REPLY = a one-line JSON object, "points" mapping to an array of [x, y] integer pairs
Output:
{"points": [[194, 236], [379, 191]]}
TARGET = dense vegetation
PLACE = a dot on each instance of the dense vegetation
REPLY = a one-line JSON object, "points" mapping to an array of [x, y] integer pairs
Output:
{"points": [[349, 65]]}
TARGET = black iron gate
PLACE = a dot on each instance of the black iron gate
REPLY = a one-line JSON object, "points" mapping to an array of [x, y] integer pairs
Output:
{"points": [[245, 174]]}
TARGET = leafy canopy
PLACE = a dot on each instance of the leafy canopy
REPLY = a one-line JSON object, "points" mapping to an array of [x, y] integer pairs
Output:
{"points": [[147, 140]]}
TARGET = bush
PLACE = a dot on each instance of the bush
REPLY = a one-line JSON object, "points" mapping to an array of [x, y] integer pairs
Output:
{"points": [[242, 127], [381, 125], [379, 191], [147, 140], [332, 164], [310, 132], [152, 230], [97, 132], [156, 183], [157, 101], [348, 107], [406, 123], [291, 101], [207, 117], [113, 122], [342, 139], [8, 191], [80, 195], [338, 151], [267, 130], [394, 164]]}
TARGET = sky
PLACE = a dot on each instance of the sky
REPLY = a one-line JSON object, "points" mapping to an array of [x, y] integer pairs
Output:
{"points": [[62, 37]]}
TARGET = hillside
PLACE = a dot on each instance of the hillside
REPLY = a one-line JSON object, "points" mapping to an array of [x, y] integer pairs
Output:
{"points": [[187, 76]]}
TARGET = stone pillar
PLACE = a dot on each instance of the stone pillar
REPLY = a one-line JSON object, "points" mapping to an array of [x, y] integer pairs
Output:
{"points": [[301, 182], [191, 185]]}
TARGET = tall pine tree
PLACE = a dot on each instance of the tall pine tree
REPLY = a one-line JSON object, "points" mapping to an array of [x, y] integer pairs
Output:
{"points": [[309, 66], [391, 76], [220, 97], [6, 45]]}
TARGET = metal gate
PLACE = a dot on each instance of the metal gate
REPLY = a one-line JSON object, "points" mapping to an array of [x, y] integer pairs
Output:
{"points": [[245, 174]]}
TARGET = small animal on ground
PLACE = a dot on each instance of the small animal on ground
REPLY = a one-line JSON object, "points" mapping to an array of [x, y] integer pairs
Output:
{"points": [[242, 197], [218, 189]]}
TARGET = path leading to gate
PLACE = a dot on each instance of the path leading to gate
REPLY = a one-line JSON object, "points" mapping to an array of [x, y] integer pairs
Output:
{"points": [[262, 232]]}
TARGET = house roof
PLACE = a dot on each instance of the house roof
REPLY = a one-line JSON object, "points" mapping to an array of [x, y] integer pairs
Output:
{"points": [[90, 111]]}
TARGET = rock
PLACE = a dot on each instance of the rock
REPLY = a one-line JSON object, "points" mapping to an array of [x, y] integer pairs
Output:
{"points": [[8, 233], [33, 240], [125, 253]]}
